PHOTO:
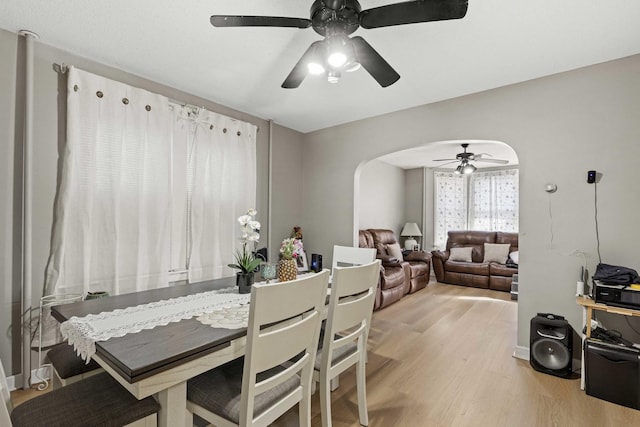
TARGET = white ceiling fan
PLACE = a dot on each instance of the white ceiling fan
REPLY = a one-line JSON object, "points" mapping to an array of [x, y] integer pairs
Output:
{"points": [[465, 158]]}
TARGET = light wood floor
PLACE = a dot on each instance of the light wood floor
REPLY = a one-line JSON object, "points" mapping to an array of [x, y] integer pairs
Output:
{"points": [[443, 357]]}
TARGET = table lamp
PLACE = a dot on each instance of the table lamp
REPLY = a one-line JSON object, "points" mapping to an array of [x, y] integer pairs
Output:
{"points": [[410, 230]]}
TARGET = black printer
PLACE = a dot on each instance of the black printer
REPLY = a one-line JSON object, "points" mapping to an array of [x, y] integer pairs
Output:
{"points": [[617, 295]]}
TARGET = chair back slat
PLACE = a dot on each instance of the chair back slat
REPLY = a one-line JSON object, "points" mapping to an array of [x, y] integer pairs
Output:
{"points": [[7, 407], [352, 313], [284, 342], [351, 256]]}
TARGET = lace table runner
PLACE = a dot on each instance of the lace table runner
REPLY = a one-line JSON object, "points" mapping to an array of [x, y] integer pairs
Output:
{"points": [[83, 332], [234, 317]]}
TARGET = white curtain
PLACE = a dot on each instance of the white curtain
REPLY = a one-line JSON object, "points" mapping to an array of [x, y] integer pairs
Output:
{"points": [[113, 207], [450, 211], [221, 180], [494, 201]]}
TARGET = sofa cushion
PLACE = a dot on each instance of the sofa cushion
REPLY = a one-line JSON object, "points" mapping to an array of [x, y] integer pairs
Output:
{"points": [[394, 250], [419, 269], [365, 239], [496, 252], [475, 239], [393, 278], [514, 257], [496, 269], [460, 254], [478, 268], [510, 238]]}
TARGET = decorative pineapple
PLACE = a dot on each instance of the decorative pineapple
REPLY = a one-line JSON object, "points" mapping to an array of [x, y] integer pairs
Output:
{"points": [[287, 270], [287, 266]]}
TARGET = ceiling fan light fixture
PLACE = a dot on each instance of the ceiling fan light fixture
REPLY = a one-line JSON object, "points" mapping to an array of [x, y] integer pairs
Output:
{"points": [[458, 170], [337, 51], [352, 66], [315, 68], [337, 59], [352, 63], [333, 76], [317, 60], [468, 169]]}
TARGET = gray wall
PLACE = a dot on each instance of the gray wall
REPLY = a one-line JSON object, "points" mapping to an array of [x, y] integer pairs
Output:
{"points": [[560, 126], [414, 201], [288, 193], [381, 197], [49, 136]]}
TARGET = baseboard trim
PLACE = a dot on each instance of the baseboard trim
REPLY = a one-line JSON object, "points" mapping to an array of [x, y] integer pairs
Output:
{"points": [[521, 353], [14, 382]]}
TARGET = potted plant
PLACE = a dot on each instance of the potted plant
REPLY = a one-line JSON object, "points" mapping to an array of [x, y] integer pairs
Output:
{"points": [[245, 258]]}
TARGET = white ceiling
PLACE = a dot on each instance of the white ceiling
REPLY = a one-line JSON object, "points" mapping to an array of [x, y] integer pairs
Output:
{"points": [[499, 42], [426, 156]]}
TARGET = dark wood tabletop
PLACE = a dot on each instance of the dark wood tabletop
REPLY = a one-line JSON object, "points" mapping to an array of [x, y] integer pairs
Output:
{"points": [[152, 351]]}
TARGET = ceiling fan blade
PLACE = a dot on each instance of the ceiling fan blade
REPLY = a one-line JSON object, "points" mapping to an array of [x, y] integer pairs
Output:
{"points": [[412, 12], [446, 160], [299, 72], [258, 21], [375, 64], [499, 161], [445, 164]]}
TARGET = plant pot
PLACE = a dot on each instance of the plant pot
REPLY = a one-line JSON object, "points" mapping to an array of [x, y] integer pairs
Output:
{"points": [[287, 270], [244, 281], [96, 295]]}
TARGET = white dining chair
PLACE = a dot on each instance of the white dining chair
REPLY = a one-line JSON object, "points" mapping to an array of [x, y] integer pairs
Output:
{"points": [[346, 332], [284, 326], [348, 256], [96, 401]]}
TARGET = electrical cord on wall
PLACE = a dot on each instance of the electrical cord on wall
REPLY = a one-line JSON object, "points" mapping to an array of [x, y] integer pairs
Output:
{"points": [[595, 202], [550, 219]]}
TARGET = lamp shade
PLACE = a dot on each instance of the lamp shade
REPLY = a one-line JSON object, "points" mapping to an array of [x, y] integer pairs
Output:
{"points": [[410, 229]]}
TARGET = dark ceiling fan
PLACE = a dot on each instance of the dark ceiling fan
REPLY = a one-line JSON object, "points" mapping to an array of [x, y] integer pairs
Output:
{"points": [[465, 158], [335, 20]]}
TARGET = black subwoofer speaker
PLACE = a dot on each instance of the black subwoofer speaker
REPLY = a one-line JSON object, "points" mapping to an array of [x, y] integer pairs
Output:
{"points": [[551, 345]]}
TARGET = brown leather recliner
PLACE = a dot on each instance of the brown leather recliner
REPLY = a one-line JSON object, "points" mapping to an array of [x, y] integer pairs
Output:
{"points": [[395, 276], [476, 273]]}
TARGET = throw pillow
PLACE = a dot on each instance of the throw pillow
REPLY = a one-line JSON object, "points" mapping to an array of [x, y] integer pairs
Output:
{"points": [[514, 257], [496, 252], [395, 251], [460, 254]]}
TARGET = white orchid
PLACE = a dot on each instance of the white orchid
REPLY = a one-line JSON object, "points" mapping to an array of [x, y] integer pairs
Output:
{"points": [[245, 260]]}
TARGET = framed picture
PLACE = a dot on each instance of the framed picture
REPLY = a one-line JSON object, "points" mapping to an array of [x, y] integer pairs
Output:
{"points": [[302, 263]]}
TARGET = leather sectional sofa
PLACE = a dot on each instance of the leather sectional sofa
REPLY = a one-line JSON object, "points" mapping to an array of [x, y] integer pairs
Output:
{"points": [[477, 272], [398, 277]]}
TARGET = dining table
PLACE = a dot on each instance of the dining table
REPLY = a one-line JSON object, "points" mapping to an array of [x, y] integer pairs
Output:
{"points": [[159, 361]]}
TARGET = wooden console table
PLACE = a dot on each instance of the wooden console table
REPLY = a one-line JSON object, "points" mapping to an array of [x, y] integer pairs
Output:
{"points": [[591, 305]]}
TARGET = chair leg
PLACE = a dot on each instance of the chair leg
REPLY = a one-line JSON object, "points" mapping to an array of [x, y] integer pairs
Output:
{"points": [[305, 411], [325, 401], [361, 379]]}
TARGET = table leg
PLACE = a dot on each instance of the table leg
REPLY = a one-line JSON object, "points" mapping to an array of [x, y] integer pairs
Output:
{"points": [[173, 402]]}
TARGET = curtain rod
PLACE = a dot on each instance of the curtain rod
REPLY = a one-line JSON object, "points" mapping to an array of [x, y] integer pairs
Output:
{"points": [[63, 68]]}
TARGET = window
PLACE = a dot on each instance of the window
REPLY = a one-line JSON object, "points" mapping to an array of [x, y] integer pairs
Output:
{"points": [[146, 189], [484, 200]]}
